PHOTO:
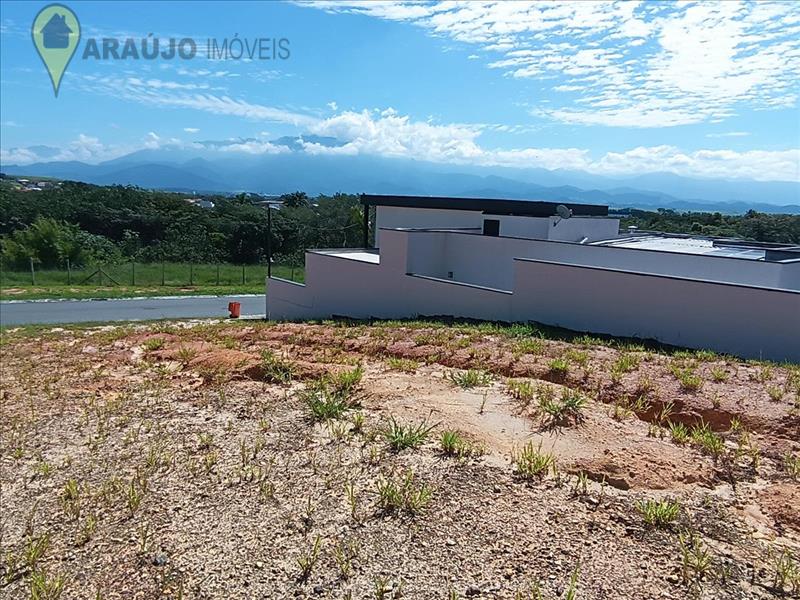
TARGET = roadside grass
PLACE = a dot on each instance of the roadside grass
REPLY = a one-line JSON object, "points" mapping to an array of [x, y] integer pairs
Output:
{"points": [[178, 278]]}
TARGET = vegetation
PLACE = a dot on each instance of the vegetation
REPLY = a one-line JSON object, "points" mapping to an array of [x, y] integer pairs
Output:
{"points": [[752, 225], [659, 513]]}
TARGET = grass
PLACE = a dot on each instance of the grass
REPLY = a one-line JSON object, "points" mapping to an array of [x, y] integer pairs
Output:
{"points": [[331, 396], [403, 494], [470, 378], [695, 557], [521, 389], [179, 279], [402, 435], [276, 369], [568, 408], [405, 365], [659, 513], [532, 463], [455, 445], [791, 464], [690, 381], [709, 442]]}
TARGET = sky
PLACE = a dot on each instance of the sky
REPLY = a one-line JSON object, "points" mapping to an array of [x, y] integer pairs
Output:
{"points": [[613, 88]]}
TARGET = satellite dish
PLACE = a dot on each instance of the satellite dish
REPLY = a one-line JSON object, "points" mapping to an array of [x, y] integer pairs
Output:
{"points": [[562, 212]]}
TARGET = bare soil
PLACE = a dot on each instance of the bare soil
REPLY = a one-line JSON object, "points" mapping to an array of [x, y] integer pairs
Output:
{"points": [[167, 461]]}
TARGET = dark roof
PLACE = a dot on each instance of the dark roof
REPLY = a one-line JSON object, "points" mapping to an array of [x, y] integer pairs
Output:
{"points": [[530, 208]]}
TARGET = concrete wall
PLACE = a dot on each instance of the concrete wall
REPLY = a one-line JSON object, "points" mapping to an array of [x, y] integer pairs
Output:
{"points": [[739, 320], [398, 217], [747, 321], [485, 260]]}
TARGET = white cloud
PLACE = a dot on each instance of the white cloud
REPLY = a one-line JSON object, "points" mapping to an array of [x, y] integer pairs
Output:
{"points": [[191, 129], [180, 95], [390, 134], [626, 63], [333, 106], [387, 133], [728, 134]]}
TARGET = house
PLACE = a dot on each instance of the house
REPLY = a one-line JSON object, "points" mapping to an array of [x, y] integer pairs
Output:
{"points": [[561, 265], [56, 32]]}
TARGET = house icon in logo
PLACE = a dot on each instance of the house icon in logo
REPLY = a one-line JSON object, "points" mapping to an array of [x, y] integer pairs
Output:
{"points": [[55, 34]]}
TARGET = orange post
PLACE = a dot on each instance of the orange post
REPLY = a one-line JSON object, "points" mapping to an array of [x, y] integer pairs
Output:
{"points": [[234, 308]]}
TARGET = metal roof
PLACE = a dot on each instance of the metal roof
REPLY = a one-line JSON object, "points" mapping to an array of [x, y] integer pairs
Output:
{"points": [[528, 208], [688, 245]]}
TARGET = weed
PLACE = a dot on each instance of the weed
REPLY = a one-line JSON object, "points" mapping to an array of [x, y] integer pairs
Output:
{"points": [[558, 367], [679, 433], [71, 499], [401, 436], [719, 374], [325, 402], [581, 487], [532, 463], [403, 494], [572, 588], [276, 369], [577, 357], [659, 513], [775, 393], [528, 346], [695, 557], [406, 365], [454, 444], [346, 382], [46, 587], [569, 407], [153, 344], [343, 555], [791, 464], [689, 380], [470, 378], [787, 570], [523, 390], [186, 354], [624, 364], [134, 493], [308, 559], [709, 442]]}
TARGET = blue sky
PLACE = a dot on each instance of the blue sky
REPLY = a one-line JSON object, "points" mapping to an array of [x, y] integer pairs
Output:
{"points": [[708, 90]]}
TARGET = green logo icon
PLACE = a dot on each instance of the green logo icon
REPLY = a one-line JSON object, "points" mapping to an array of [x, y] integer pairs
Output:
{"points": [[56, 33]]}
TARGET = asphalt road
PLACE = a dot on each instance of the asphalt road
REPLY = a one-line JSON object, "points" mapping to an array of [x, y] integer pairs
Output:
{"points": [[132, 309]]}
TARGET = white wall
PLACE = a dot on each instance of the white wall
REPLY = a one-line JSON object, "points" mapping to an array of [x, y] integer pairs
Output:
{"points": [[395, 217], [486, 260], [573, 229], [740, 320]]}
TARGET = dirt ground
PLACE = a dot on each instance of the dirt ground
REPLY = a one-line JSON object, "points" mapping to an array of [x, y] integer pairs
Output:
{"points": [[186, 460]]}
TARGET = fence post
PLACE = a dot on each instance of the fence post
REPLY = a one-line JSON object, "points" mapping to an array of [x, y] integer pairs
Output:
{"points": [[162, 271], [191, 273], [217, 274], [243, 279], [33, 273], [133, 272], [69, 274]]}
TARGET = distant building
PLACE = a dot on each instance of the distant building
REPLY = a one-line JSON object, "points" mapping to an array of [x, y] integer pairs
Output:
{"points": [[201, 202], [568, 266]]}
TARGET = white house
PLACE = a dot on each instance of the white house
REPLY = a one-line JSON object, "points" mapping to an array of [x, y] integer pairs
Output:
{"points": [[521, 261]]}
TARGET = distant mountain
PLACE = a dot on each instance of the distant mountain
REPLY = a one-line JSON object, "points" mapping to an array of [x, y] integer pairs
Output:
{"points": [[219, 166]]}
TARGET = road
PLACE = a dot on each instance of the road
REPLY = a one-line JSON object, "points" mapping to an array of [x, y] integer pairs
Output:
{"points": [[131, 309]]}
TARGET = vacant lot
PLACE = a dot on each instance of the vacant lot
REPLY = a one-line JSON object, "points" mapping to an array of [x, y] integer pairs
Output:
{"points": [[395, 460]]}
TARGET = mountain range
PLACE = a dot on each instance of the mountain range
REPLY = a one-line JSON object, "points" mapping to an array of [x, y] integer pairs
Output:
{"points": [[218, 166]]}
